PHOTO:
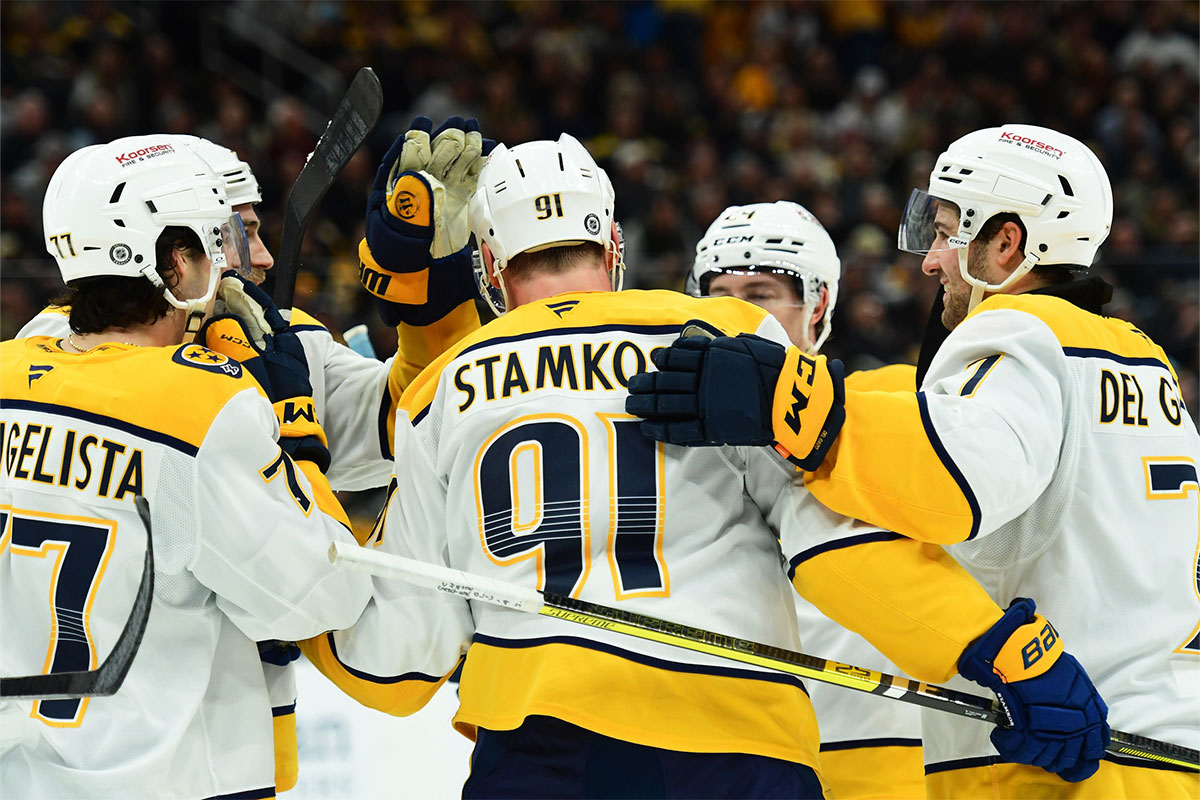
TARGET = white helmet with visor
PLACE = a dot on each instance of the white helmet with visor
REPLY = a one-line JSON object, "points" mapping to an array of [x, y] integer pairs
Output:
{"points": [[106, 206], [781, 238], [1052, 182]]}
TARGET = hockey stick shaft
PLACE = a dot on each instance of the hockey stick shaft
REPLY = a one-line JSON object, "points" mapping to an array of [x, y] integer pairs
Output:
{"points": [[520, 598], [354, 118], [106, 679]]}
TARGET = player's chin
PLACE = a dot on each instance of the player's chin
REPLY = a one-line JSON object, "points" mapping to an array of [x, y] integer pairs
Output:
{"points": [[257, 275]]}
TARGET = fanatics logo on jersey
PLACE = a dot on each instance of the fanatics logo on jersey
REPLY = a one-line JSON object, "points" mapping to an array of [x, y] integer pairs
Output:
{"points": [[38, 371], [563, 307], [194, 355]]}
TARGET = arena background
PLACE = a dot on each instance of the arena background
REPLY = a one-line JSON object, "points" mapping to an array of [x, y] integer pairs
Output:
{"points": [[690, 106]]}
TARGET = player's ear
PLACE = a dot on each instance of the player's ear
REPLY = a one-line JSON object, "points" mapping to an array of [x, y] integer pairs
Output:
{"points": [[489, 261], [1008, 246]]}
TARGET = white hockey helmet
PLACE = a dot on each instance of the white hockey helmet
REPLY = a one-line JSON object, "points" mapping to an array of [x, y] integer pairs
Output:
{"points": [[782, 238], [241, 187], [106, 206], [1053, 182], [539, 195]]}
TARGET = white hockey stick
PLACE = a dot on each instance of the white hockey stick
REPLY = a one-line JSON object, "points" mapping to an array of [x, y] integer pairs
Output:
{"points": [[108, 677], [520, 598]]}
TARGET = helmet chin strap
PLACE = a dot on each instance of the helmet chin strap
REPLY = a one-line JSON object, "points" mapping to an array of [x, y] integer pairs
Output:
{"points": [[978, 287], [617, 273], [195, 308], [807, 343], [499, 273]]}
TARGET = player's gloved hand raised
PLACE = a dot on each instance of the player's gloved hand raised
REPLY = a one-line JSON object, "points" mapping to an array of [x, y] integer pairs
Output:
{"points": [[250, 304], [1057, 720], [417, 218], [281, 369], [743, 390]]}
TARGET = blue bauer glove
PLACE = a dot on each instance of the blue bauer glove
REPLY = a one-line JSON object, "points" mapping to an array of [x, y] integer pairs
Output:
{"points": [[1056, 719]]}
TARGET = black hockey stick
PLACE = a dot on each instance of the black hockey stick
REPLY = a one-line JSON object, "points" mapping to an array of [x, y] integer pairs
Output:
{"points": [[520, 598], [356, 115], [108, 677]]}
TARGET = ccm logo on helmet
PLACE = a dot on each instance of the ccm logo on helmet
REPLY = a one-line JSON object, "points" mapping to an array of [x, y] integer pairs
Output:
{"points": [[138, 155], [1034, 143], [732, 240]]}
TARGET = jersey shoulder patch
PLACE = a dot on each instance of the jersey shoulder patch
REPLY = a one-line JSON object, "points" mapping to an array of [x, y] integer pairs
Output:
{"points": [[200, 357]]}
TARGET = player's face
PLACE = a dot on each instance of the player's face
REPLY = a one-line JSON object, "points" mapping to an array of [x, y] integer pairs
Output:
{"points": [[260, 257], [942, 262], [775, 293]]}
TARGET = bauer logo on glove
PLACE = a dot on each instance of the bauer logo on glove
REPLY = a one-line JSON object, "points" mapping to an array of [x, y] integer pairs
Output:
{"points": [[411, 200]]}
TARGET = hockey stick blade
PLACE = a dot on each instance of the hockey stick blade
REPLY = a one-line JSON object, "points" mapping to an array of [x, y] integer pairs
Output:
{"points": [[353, 120], [520, 598], [106, 679]]}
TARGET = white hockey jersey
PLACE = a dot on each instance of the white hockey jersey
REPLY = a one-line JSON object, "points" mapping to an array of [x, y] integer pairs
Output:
{"points": [[521, 463], [355, 400], [350, 394], [1050, 447], [240, 534]]}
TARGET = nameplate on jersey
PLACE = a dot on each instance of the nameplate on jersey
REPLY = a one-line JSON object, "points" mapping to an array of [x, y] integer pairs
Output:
{"points": [[1134, 398], [200, 357]]}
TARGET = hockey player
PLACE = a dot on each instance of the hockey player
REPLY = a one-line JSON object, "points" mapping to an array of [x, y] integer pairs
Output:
{"points": [[125, 405], [1046, 440], [354, 397], [515, 459], [779, 257]]}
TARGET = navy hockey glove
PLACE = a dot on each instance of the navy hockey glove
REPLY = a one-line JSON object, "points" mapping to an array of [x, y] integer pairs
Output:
{"points": [[280, 367], [251, 304], [1056, 719], [414, 257], [728, 390]]}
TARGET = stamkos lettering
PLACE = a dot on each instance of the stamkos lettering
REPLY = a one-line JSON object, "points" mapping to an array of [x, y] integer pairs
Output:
{"points": [[156, 148], [1013, 137], [576, 367], [47, 458]]}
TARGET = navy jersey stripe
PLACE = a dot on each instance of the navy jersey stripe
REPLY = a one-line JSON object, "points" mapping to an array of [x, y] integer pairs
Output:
{"points": [[854, 744], [838, 544], [1091, 352], [651, 330], [949, 464], [100, 419], [366, 676]]}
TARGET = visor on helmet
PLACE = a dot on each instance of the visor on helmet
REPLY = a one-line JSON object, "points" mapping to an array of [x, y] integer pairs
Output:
{"points": [[920, 231], [230, 241], [807, 286]]}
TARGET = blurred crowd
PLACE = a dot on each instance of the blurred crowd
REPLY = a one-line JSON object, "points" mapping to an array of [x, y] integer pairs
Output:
{"points": [[690, 106]]}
